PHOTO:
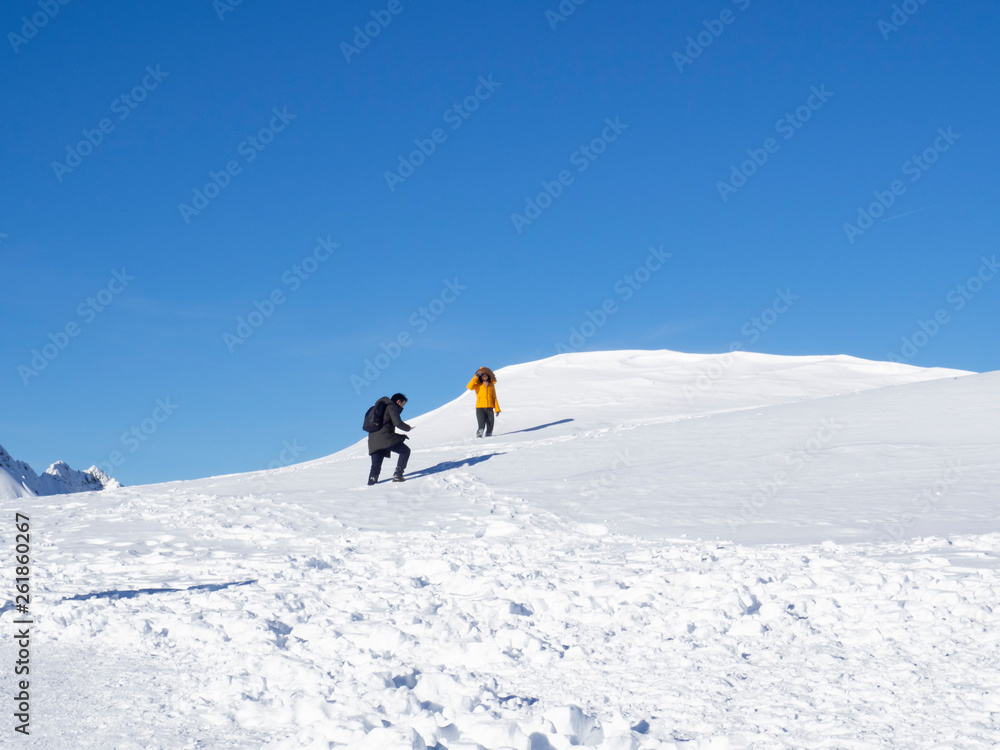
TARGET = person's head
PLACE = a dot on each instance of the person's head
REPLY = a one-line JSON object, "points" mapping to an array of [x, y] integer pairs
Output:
{"points": [[399, 399], [484, 378]]}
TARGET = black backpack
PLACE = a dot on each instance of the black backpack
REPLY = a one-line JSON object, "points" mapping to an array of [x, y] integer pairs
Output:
{"points": [[374, 417]]}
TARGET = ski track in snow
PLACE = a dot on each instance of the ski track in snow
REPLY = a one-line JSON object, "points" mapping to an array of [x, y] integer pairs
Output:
{"points": [[296, 609]]}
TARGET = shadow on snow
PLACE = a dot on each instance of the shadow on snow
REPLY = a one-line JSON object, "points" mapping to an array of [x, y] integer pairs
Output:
{"points": [[539, 427], [140, 592], [129, 594], [449, 465]]}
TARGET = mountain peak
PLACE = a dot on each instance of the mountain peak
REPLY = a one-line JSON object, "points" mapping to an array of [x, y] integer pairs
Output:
{"points": [[18, 479]]}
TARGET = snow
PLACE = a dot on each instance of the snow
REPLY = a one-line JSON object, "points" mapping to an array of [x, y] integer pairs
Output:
{"points": [[600, 573], [18, 479]]}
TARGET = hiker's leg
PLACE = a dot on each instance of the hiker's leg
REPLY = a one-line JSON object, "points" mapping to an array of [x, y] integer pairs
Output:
{"points": [[404, 455], [377, 458]]}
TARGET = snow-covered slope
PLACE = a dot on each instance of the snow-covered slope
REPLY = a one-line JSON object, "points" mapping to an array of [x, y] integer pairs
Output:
{"points": [[18, 479], [746, 447], [599, 573]]}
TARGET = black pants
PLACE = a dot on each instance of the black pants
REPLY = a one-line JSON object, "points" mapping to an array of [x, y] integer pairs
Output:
{"points": [[378, 456], [485, 419]]}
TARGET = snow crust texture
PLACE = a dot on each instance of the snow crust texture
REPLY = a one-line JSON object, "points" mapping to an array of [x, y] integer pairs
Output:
{"points": [[502, 599]]}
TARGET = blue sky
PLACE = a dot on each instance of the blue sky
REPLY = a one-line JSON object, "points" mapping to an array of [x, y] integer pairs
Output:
{"points": [[469, 186]]}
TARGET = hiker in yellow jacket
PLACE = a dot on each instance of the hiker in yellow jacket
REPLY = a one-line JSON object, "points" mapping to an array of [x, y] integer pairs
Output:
{"points": [[486, 400]]}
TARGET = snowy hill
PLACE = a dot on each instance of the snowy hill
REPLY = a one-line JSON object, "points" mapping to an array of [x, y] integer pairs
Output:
{"points": [[647, 443], [18, 479], [654, 550]]}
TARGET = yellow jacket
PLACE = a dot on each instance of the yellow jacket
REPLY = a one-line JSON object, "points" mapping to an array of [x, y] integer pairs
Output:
{"points": [[486, 395]]}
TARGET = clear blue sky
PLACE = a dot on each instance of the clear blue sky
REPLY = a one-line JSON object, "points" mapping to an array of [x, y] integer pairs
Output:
{"points": [[130, 297]]}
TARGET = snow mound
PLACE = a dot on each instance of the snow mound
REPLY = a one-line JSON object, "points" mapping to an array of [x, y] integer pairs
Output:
{"points": [[746, 447]]}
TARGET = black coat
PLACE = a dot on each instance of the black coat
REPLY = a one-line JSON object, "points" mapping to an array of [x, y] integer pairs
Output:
{"points": [[386, 437]]}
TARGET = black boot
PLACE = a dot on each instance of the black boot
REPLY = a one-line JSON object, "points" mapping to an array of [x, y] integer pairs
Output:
{"points": [[372, 479], [479, 433], [398, 476]]}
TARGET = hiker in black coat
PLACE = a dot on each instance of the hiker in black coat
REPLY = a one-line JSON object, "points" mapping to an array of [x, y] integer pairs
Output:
{"points": [[385, 441]]}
